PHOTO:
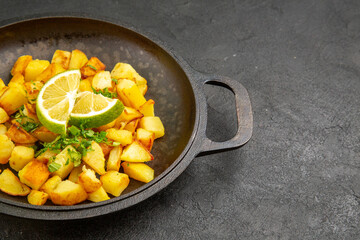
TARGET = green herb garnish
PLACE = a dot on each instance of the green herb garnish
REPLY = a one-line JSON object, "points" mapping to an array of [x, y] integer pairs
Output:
{"points": [[105, 93], [91, 66], [80, 138], [30, 125], [54, 166], [75, 157]]}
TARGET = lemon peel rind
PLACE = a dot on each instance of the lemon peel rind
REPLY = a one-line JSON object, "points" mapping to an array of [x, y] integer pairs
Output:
{"points": [[102, 117]]}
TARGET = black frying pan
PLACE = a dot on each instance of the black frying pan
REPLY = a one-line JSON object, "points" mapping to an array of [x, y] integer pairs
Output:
{"points": [[176, 88]]}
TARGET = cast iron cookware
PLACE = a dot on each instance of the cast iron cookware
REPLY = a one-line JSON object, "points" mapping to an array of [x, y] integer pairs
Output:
{"points": [[176, 88]]}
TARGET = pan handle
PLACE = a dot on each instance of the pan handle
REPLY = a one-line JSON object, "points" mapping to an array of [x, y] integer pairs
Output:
{"points": [[243, 113]]}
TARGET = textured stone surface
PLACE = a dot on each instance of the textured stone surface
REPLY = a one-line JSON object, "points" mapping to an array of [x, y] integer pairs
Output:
{"points": [[298, 177]]}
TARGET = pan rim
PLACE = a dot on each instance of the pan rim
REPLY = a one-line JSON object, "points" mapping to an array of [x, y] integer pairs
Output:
{"points": [[181, 162]]}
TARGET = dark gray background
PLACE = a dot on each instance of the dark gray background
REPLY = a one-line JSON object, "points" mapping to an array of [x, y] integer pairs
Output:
{"points": [[298, 177]]}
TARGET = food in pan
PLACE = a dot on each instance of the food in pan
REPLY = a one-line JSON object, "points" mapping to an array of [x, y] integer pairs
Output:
{"points": [[71, 131]]}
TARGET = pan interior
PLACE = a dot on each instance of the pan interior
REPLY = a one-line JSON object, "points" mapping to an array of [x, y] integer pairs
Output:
{"points": [[168, 85]]}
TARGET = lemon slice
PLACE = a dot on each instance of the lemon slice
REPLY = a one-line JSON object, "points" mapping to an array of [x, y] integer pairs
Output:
{"points": [[56, 100], [94, 110]]}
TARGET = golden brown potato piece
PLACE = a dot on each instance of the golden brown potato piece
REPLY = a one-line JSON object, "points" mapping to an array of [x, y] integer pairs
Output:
{"points": [[88, 180], [6, 148], [106, 148], [50, 184], [78, 59], [10, 184], [62, 58], [21, 156], [153, 124], [143, 89], [12, 99], [17, 81], [37, 197], [49, 72], [3, 129], [30, 112], [34, 174], [114, 182], [147, 109], [124, 137], [102, 80], [131, 126], [130, 94], [21, 64], [85, 85], [95, 158], [98, 196], [4, 117], [136, 152], [18, 135], [74, 174], [32, 89], [90, 68], [114, 161], [126, 71], [68, 193], [34, 68], [145, 137], [44, 134], [138, 171], [128, 115]]}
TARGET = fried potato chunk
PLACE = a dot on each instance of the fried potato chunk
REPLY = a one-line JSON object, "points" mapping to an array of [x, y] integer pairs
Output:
{"points": [[21, 64], [74, 174], [114, 182], [130, 94], [90, 68], [4, 117], [145, 137], [18, 135], [95, 158], [34, 174], [78, 59], [85, 85], [126, 71], [68, 193], [113, 162], [99, 195], [37, 197], [20, 156], [102, 80], [138, 171], [3, 129], [124, 137], [49, 72], [34, 68], [6, 148], [62, 58], [136, 152], [10, 184], [44, 134], [50, 184], [12, 99], [147, 109], [88, 180], [153, 124]]}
